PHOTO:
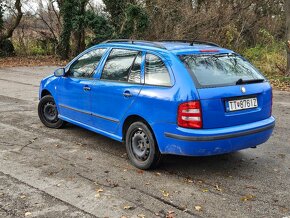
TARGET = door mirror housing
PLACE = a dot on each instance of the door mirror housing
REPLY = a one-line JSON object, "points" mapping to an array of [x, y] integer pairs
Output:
{"points": [[59, 72]]}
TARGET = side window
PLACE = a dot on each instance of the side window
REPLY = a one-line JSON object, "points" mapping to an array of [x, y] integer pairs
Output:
{"points": [[118, 65], [156, 72], [135, 73], [85, 66]]}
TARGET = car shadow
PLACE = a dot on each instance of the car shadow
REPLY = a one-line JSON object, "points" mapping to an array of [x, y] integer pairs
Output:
{"points": [[184, 166]]}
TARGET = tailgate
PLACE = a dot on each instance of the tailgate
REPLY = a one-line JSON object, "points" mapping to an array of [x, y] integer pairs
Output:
{"points": [[215, 105]]}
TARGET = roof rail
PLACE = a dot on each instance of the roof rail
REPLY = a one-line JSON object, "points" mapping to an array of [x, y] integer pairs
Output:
{"points": [[155, 44], [192, 42]]}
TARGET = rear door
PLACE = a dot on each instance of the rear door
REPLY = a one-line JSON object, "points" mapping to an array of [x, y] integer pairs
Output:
{"points": [[119, 85], [232, 92]]}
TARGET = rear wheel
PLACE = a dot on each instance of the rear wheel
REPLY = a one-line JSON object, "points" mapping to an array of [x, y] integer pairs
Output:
{"points": [[48, 114], [141, 146]]}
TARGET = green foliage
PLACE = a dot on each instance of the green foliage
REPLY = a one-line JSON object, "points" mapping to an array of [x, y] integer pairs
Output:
{"points": [[136, 21], [267, 57], [67, 11], [100, 26], [34, 47], [116, 10], [128, 18]]}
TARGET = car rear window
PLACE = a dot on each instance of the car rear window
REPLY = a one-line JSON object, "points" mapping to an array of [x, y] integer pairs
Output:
{"points": [[220, 70]]}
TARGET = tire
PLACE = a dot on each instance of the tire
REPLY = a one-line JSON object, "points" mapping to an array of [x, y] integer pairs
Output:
{"points": [[48, 114], [141, 146]]}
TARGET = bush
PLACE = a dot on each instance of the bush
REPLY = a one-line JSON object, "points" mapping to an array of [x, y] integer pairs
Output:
{"points": [[6, 48], [268, 58]]}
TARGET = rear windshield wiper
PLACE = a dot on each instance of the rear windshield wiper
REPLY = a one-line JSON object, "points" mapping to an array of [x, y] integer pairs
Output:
{"points": [[241, 81]]}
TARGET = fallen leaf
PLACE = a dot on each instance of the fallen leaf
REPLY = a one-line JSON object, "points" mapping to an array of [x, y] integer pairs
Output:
{"points": [[247, 198], [198, 208], [28, 214], [99, 190], [128, 207], [140, 171], [218, 188], [165, 193], [158, 174], [22, 196], [89, 158], [141, 215], [205, 190], [170, 214], [189, 181], [97, 195]]}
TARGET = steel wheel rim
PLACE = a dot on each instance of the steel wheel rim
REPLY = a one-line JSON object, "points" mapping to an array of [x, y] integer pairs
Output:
{"points": [[50, 112], [140, 145]]}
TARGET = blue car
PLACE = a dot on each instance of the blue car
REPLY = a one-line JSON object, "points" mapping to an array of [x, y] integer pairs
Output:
{"points": [[166, 97]]}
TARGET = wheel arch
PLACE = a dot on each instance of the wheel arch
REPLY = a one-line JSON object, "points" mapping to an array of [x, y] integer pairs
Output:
{"points": [[131, 119], [45, 92]]}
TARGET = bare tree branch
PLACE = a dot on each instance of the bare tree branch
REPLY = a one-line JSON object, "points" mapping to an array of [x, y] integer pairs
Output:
{"points": [[10, 30]]}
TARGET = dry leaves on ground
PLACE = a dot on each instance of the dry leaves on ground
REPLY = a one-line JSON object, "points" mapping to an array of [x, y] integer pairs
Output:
{"points": [[31, 61]]}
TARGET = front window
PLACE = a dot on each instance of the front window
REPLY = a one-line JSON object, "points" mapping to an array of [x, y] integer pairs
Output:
{"points": [[220, 70], [86, 65]]}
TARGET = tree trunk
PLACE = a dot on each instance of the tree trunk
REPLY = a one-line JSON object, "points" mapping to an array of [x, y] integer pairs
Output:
{"points": [[287, 11], [9, 32]]}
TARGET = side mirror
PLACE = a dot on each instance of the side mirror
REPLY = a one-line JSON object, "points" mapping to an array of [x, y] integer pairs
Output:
{"points": [[59, 72]]}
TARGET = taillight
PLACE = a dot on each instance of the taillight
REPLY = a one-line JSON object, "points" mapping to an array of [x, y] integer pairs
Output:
{"points": [[189, 115]]}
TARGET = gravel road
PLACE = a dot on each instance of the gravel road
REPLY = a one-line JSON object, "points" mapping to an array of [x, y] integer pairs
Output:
{"points": [[73, 172]]}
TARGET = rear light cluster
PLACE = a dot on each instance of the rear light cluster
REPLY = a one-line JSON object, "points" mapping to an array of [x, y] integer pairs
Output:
{"points": [[189, 115]]}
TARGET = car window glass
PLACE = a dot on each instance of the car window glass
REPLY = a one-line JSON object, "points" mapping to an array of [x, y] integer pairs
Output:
{"points": [[118, 65], [135, 73], [220, 70], [156, 72], [85, 66]]}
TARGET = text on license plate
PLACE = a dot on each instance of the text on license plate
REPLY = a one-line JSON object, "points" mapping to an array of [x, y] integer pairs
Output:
{"points": [[242, 104]]}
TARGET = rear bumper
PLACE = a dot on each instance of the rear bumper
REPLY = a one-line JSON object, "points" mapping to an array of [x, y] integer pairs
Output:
{"points": [[206, 142]]}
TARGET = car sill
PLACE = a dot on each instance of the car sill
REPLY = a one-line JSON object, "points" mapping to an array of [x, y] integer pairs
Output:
{"points": [[88, 113]]}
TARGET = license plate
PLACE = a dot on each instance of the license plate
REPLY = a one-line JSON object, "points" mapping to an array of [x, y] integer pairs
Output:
{"points": [[242, 104]]}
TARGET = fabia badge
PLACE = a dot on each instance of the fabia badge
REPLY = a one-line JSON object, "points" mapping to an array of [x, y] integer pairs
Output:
{"points": [[243, 89]]}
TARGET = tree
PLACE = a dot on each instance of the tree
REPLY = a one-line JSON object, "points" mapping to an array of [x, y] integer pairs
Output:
{"points": [[128, 17], [67, 12], [6, 46], [79, 26], [287, 11]]}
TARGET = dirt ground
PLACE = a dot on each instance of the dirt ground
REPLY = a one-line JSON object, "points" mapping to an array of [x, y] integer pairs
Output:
{"points": [[73, 172]]}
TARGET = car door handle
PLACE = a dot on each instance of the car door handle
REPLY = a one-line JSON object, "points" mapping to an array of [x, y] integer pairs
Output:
{"points": [[127, 94], [87, 88]]}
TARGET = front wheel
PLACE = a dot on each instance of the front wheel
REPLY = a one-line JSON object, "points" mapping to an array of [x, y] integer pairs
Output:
{"points": [[141, 146], [48, 114]]}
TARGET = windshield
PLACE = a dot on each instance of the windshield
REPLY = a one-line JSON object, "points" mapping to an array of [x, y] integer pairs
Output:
{"points": [[220, 70]]}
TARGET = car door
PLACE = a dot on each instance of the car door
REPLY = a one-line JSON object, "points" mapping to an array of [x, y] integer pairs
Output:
{"points": [[117, 88], [74, 91]]}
